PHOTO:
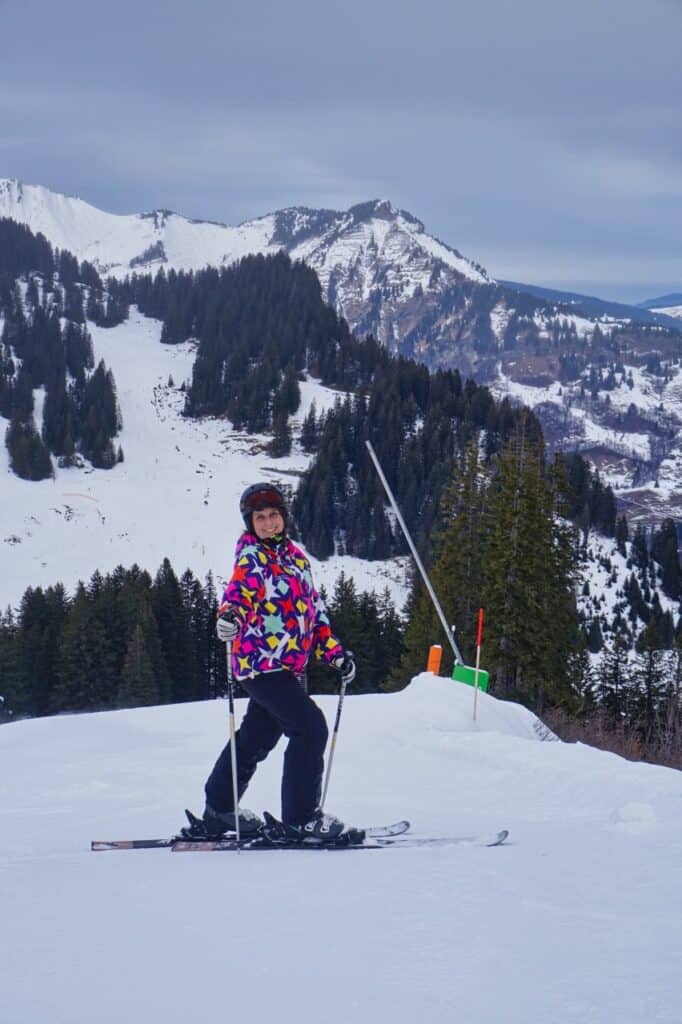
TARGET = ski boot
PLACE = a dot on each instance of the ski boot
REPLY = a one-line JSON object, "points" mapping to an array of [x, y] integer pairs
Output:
{"points": [[321, 830], [215, 824]]}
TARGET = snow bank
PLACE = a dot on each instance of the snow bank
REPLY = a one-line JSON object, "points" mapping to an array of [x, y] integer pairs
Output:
{"points": [[576, 919]]}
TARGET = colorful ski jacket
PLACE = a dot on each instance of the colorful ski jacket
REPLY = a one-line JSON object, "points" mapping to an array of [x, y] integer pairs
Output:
{"points": [[285, 620]]}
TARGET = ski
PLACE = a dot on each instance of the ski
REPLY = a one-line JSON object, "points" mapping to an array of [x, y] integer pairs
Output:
{"points": [[133, 844], [376, 843], [494, 839], [261, 843], [379, 831], [373, 832]]}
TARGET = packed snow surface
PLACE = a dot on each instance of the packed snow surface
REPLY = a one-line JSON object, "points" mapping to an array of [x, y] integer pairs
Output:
{"points": [[574, 921]]}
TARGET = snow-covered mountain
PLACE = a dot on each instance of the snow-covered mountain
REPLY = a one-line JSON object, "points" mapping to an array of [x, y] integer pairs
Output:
{"points": [[619, 402], [575, 919], [371, 259]]}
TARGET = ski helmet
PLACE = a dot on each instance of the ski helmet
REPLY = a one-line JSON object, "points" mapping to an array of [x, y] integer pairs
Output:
{"points": [[259, 496]]}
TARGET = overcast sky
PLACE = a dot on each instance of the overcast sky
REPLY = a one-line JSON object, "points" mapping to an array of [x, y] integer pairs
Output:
{"points": [[542, 140]]}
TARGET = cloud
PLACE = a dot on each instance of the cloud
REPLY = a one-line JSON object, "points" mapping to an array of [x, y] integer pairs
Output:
{"points": [[547, 128]]}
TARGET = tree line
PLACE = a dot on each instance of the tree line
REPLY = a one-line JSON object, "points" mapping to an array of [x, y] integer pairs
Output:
{"points": [[129, 640]]}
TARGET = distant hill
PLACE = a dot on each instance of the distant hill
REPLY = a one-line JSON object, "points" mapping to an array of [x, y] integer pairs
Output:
{"points": [[672, 299], [591, 306]]}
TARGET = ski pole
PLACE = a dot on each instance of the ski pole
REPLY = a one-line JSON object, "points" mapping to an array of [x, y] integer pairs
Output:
{"points": [[233, 737], [342, 694], [432, 594], [479, 641]]}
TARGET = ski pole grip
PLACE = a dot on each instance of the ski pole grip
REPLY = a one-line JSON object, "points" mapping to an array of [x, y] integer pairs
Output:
{"points": [[479, 636]]}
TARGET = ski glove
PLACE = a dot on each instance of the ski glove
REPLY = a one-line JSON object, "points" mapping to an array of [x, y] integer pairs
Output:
{"points": [[345, 666], [228, 626]]}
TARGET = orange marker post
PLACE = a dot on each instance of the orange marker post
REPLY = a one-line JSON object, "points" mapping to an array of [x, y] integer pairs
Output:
{"points": [[479, 643], [434, 659]]}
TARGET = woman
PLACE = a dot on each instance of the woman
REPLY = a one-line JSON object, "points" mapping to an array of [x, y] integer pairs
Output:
{"points": [[275, 619]]}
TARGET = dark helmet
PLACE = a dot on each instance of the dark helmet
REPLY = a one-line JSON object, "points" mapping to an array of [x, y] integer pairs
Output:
{"points": [[259, 496]]}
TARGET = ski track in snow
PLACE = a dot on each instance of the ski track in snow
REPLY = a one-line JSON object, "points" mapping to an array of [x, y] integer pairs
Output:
{"points": [[176, 494], [575, 921]]}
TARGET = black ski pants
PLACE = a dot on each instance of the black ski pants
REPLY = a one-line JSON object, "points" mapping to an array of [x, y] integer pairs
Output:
{"points": [[278, 706]]}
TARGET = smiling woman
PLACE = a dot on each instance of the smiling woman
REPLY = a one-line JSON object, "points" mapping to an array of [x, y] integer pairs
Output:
{"points": [[273, 620]]}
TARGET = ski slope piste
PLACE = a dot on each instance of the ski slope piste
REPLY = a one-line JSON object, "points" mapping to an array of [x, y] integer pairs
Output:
{"points": [[574, 919]]}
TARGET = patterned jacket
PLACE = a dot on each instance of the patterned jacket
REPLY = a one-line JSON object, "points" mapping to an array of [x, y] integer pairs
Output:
{"points": [[285, 620]]}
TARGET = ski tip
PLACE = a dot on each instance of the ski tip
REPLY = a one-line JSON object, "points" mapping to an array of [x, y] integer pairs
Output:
{"points": [[500, 838]]}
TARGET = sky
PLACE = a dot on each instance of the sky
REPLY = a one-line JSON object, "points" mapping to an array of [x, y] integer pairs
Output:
{"points": [[541, 140]]}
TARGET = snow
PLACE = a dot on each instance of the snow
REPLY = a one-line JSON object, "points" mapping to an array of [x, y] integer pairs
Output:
{"points": [[668, 310], [176, 494], [110, 241], [576, 919], [451, 259]]}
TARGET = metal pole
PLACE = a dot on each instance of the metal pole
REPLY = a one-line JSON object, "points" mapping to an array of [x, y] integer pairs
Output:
{"points": [[233, 738], [342, 693], [479, 641], [427, 582]]}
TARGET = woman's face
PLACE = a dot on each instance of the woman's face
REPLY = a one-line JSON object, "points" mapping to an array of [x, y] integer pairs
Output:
{"points": [[267, 522]]}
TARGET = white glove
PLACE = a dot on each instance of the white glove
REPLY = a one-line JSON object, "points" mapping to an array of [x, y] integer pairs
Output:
{"points": [[228, 626]]}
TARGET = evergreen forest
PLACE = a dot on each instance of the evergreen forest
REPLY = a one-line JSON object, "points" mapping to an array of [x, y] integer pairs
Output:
{"points": [[129, 640], [46, 299]]}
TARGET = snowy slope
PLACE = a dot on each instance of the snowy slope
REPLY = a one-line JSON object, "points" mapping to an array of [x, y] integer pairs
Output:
{"points": [[176, 494], [118, 244], [675, 311], [576, 920]]}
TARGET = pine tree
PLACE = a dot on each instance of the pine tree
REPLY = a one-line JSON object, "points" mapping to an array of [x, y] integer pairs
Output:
{"points": [[622, 534], [614, 678], [528, 584], [456, 575], [280, 445], [310, 430], [664, 552], [650, 686], [173, 626], [12, 678], [85, 665], [29, 457], [137, 686]]}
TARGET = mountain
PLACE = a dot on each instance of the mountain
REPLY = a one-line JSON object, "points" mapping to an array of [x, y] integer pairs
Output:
{"points": [[359, 254], [667, 305], [671, 299], [602, 377], [587, 876], [591, 306]]}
